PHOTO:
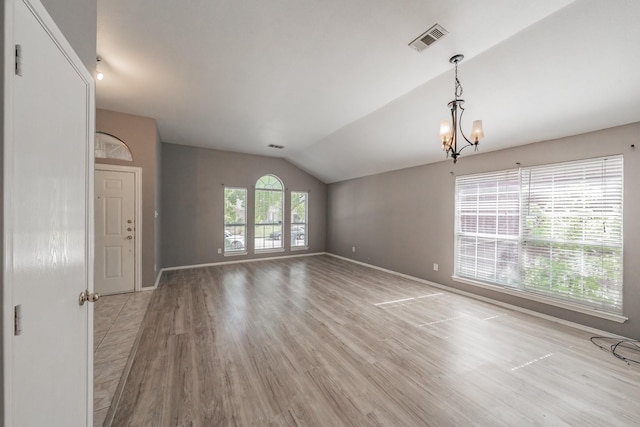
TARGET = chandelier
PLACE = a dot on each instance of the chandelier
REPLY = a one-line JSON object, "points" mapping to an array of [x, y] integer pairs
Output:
{"points": [[449, 130]]}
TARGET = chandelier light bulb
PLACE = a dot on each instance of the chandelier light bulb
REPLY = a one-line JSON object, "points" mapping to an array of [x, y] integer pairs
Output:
{"points": [[476, 131], [445, 130], [99, 75]]}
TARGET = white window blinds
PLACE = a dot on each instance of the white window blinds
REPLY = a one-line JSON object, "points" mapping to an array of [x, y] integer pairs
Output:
{"points": [[487, 225], [572, 232], [554, 230]]}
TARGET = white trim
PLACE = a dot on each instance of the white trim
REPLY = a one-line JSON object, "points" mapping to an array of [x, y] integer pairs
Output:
{"points": [[268, 250], [235, 253], [541, 298], [137, 176], [485, 299], [157, 282], [240, 261], [90, 249]]}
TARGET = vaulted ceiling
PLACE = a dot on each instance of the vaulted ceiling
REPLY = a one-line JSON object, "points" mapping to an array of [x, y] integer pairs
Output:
{"points": [[335, 83]]}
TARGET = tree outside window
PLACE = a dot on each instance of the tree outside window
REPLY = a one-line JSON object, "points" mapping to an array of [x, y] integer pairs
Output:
{"points": [[269, 205]]}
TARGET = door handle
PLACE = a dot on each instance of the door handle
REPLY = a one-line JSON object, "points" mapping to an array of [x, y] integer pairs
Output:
{"points": [[129, 237], [88, 296]]}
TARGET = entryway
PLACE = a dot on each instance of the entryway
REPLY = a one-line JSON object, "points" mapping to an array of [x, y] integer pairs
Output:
{"points": [[117, 229]]}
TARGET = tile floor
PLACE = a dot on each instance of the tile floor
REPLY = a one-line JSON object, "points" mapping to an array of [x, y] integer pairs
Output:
{"points": [[117, 319]]}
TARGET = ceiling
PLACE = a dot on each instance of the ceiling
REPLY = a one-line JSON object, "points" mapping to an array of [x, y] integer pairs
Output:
{"points": [[336, 84]]}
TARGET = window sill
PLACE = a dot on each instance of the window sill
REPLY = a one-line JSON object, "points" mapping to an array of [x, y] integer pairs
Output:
{"points": [[235, 253], [545, 300], [299, 248], [267, 251]]}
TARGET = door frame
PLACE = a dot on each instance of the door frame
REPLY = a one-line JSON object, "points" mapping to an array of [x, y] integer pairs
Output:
{"points": [[6, 195], [137, 208]]}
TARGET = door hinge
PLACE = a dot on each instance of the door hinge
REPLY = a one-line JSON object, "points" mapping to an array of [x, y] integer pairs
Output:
{"points": [[17, 319], [18, 60]]}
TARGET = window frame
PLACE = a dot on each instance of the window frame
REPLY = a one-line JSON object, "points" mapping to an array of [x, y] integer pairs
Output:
{"points": [[294, 237], [226, 238], [274, 226], [586, 305], [110, 147]]}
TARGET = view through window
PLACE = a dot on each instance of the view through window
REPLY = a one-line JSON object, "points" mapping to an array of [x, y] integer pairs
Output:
{"points": [[235, 220], [299, 202], [269, 213]]}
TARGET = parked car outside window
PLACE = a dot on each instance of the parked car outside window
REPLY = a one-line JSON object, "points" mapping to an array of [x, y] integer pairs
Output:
{"points": [[233, 242], [296, 233]]}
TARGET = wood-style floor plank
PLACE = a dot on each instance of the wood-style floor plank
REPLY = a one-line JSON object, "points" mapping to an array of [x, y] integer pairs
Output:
{"points": [[318, 341]]}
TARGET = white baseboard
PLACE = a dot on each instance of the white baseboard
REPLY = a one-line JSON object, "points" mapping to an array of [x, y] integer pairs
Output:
{"points": [[406, 276], [239, 261], [485, 299]]}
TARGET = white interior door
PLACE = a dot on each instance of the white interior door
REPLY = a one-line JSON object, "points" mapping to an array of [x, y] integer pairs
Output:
{"points": [[115, 231], [48, 185]]}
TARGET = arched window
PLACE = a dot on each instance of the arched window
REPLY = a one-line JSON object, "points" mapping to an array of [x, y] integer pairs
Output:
{"points": [[108, 146], [269, 213]]}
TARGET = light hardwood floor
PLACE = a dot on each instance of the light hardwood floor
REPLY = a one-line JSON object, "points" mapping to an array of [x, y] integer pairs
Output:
{"points": [[319, 341]]}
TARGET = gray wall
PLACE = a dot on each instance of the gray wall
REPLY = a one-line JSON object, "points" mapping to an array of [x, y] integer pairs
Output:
{"points": [[404, 220], [141, 135], [77, 19], [192, 201]]}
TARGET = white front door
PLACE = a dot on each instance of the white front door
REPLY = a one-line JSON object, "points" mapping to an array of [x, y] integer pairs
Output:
{"points": [[115, 231], [48, 189]]}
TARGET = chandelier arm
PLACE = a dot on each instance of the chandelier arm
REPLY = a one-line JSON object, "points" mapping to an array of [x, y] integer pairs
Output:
{"points": [[461, 131], [454, 122], [466, 146]]}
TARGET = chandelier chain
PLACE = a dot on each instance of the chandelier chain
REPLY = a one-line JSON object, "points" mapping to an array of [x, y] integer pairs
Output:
{"points": [[458, 88]]}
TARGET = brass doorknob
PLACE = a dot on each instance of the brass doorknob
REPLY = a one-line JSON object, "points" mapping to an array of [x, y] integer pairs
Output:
{"points": [[88, 296]]}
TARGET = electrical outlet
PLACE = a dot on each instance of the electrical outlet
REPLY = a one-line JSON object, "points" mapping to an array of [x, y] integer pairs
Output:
{"points": [[435, 267], [219, 250], [353, 249]]}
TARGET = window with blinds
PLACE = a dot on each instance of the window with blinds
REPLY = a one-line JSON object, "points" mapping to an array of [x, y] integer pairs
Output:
{"points": [[488, 227], [554, 230]]}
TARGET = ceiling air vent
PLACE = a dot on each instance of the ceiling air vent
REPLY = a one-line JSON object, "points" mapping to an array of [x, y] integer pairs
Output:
{"points": [[427, 38], [279, 147]]}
